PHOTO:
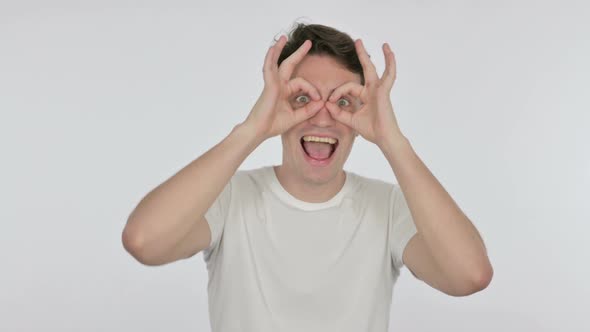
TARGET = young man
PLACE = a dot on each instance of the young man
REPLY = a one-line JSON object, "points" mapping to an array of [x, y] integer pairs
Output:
{"points": [[307, 246]]}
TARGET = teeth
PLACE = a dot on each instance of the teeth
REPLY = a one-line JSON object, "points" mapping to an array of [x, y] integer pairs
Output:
{"points": [[320, 139]]}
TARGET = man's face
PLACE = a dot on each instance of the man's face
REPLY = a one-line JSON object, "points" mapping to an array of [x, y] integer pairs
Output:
{"points": [[325, 74]]}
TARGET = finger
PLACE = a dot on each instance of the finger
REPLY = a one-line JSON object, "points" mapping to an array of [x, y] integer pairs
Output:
{"points": [[369, 70], [267, 68], [270, 62], [300, 84], [390, 71], [278, 48], [339, 114], [310, 109], [288, 66], [352, 88]]}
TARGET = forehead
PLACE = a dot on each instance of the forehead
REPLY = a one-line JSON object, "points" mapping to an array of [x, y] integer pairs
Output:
{"points": [[324, 72]]}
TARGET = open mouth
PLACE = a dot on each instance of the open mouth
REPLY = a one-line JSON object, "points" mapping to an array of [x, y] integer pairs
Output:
{"points": [[316, 160]]}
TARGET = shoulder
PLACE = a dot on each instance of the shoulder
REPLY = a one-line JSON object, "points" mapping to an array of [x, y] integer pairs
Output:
{"points": [[366, 185], [250, 182], [370, 192]]}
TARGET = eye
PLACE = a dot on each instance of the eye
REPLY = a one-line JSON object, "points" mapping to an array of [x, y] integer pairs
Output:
{"points": [[343, 102], [302, 99]]}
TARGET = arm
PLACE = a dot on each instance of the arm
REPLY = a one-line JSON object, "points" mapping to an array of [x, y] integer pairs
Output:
{"points": [[174, 210], [447, 252], [168, 223]]}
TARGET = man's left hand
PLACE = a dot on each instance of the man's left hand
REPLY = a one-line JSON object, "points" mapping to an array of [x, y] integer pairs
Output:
{"points": [[374, 120]]}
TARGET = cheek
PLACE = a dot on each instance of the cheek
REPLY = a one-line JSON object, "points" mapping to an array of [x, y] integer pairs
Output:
{"points": [[349, 143]]}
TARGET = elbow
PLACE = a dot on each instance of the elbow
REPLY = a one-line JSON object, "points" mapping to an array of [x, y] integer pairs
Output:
{"points": [[484, 277], [134, 244], [488, 275], [479, 280]]}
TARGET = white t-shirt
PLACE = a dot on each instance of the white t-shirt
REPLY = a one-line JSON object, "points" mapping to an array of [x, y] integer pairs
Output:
{"points": [[279, 264]]}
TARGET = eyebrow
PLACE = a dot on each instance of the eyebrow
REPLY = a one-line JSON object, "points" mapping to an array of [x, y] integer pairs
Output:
{"points": [[332, 91]]}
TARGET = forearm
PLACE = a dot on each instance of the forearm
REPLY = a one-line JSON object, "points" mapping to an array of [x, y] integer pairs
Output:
{"points": [[452, 239], [165, 215]]}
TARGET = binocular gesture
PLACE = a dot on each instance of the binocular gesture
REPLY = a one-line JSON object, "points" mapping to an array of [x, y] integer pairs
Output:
{"points": [[273, 113]]}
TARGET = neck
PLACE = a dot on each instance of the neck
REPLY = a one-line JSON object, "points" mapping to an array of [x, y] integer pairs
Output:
{"points": [[307, 190]]}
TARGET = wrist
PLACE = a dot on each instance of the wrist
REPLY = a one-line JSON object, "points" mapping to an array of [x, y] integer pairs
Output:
{"points": [[249, 132], [394, 142]]}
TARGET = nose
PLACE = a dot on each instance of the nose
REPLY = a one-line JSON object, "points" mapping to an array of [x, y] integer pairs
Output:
{"points": [[322, 118]]}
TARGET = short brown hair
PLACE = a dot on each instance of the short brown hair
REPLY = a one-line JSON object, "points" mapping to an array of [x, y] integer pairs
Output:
{"points": [[325, 40]]}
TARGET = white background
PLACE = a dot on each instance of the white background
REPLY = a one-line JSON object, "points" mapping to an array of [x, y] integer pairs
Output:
{"points": [[102, 101]]}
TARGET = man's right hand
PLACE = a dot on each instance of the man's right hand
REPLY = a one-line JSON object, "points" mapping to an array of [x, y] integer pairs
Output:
{"points": [[273, 113]]}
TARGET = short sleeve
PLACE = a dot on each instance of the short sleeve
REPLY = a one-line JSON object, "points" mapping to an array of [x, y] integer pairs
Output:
{"points": [[401, 226], [217, 214]]}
